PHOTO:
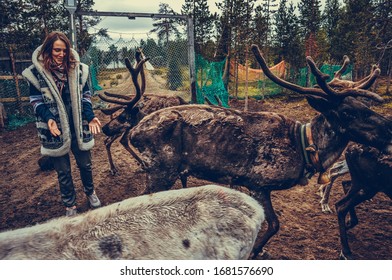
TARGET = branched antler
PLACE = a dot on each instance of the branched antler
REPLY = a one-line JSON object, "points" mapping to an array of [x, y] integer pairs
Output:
{"points": [[125, 100], [326, 90]]}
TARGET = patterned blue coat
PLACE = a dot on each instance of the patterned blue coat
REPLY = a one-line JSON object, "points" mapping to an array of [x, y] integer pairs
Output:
{"points": [[48, 94]]}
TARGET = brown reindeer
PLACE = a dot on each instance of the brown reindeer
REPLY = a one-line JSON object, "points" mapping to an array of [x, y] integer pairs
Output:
{"points": [[371, 172], [262, 151], [132, 110]]}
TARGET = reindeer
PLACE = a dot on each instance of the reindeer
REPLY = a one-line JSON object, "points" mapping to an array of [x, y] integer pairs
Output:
{"points": [[207, 222], [371, 172], [131, 114], [262, 151]]}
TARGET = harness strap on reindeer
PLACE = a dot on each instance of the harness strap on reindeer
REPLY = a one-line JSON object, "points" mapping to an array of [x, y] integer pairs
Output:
{"points": [[311, 155]]}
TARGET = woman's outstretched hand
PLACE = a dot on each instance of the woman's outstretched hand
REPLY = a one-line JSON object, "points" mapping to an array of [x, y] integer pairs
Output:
{"points": [[95, 125], [54, 130]]}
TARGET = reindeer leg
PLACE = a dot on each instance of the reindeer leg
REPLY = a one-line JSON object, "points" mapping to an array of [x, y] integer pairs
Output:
{"points": [[108, 143], [343, 206], [184, 178], [325, 191], [125, 142], [338, 169], [264, 197], [353, 220]]}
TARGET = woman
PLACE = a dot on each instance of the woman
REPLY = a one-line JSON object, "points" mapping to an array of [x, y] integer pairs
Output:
{"points": [[61, 100]]}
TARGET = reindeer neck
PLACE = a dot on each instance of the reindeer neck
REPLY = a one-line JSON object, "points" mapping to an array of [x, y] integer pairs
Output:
{"points": [[328, 141]]}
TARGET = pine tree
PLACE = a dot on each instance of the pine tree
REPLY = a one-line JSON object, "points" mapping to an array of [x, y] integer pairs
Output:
{"points": [[287, 36], [260, 27], [165, 27], [310, 21], [268, 8], [203, 22], [382, 27], [332, 16], [357, 38]]}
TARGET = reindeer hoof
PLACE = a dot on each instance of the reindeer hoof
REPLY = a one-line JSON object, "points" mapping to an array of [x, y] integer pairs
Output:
{"points": [[326, 209], [343, 256], [114, 172], [263, 255]]}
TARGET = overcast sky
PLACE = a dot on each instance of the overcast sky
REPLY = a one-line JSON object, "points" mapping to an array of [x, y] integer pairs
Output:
{"points": [[128, 29]]}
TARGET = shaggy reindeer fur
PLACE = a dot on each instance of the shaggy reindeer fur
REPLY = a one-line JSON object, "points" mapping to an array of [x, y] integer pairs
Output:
{"points": [[209, 222], [262, 151]]}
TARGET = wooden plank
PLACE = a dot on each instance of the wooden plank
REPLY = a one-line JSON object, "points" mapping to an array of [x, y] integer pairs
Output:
{"points": [[15, 75], [20, 77], [13, 99]]}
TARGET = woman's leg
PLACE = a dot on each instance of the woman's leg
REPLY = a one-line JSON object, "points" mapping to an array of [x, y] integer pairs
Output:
{"points": [[62, 166], [83, 161]]}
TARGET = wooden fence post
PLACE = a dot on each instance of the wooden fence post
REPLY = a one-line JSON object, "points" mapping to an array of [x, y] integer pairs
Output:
{"points": [[15, 75], [3, 116]]}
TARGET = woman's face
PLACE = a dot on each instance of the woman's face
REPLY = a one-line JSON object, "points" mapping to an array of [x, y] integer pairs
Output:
{"points": [[59, 51]]}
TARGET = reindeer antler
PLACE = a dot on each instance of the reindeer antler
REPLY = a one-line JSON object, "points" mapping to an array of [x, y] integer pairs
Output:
{"points": [[125, 100], [138, 57], [335, 88], [348, 90], [302, 90]]}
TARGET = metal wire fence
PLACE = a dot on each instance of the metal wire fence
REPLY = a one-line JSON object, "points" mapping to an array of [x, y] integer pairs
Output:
{"points": [[167, 70]]}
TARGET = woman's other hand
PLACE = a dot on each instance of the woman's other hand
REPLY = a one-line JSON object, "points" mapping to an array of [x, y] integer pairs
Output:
{"points": [[95, 125], [54, 130]]}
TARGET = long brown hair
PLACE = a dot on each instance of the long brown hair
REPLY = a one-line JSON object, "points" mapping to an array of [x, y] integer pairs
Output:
{"points": [[46, 51]]}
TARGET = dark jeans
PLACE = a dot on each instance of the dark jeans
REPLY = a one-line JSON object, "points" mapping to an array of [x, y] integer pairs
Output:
{"points": [[63, 167]]}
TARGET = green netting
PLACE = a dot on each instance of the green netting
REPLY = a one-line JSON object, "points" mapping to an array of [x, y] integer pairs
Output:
{"points": [[94, 81], [209, 83], [326, 69]]}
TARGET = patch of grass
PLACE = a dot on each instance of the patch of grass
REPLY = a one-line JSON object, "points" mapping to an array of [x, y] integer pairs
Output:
{"points": [[255, 92], [16, 121]]}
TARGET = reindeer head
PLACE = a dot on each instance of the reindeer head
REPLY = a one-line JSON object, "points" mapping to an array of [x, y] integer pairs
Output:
{"points": [[337, 101], [129, 114]]}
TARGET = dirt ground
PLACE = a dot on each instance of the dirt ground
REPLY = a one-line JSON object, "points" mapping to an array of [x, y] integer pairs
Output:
{"points": [[29, 196]]}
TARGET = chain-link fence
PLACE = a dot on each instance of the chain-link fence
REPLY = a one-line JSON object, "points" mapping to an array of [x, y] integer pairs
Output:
{"points": [[14, 91], [166, 71]]}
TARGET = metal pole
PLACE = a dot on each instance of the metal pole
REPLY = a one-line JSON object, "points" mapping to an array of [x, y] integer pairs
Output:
{"points": [[191, 60], [71, 7], [72, 29]]}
